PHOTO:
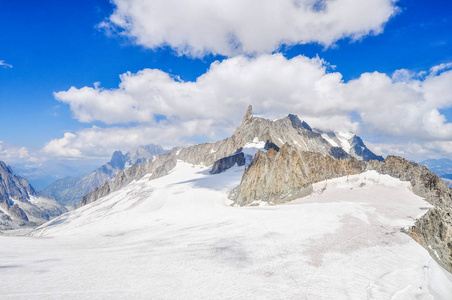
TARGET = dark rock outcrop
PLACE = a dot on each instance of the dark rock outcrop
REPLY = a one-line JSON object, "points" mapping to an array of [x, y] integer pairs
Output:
{"points": [[225, 163], [359, 149], [339, 153], [270, 145]]}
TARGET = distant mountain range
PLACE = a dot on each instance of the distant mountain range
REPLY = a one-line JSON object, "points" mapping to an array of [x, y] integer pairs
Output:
{"points": [[69, 191], [441, 167], [21, 204]]}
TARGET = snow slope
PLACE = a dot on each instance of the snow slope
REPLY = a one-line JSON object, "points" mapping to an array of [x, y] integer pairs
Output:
{"points": [[177, 237]]}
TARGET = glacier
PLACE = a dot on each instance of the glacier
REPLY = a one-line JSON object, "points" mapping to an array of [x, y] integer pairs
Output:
{"points": [[178, 237]]}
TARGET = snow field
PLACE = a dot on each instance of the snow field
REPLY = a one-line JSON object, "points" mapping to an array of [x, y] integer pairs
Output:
{"points": [[177, 237]]}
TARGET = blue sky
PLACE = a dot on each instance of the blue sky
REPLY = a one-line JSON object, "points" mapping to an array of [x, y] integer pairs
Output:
{"points": [[50, 46]]}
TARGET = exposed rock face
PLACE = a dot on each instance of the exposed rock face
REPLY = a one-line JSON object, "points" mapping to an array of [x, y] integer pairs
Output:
{"points": [[286, 130], [269, 145], [16, 205], [69, 191], [277, 177]]}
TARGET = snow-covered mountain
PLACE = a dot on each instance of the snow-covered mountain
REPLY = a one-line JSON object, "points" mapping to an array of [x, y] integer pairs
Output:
{"points": [[276, 211], [280, 176], [351, 143], [69, 191], [21, 204], [441, 167], [274, 133]]}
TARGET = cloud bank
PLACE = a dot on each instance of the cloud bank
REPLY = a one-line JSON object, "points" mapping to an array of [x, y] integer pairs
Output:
{"points": [[170, 111], [231, 27]]}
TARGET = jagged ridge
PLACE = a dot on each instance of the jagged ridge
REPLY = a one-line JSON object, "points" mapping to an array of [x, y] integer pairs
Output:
{"points": [[289, 130], [277, 177]]}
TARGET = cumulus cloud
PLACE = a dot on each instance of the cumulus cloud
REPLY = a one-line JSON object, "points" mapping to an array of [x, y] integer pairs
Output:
{"points": [[274, 85], [11, 154], [4, 64], [213, 105], [63, 147], [98, 142], [230, 27]]}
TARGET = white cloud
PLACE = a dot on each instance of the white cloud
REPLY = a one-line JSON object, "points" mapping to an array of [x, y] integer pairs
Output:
{"points": [[213, 105], [63, 147], [441, 67], [96, 142], [11, 154], [273, 84], [230, 27], [401, 149], [402, 108], [414, 150], [441, 146], [4, 64]]}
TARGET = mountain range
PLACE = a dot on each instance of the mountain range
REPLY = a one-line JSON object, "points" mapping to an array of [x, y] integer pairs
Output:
{"points": [[297, 157], [278, 210], [69, 191], [253, 129]]}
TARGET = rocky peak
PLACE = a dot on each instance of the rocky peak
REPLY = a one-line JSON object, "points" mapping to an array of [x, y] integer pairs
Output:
{"points": [[297, 123], [248, 114], [14, 186], [118, 160], [16, 208], [359, 149]]}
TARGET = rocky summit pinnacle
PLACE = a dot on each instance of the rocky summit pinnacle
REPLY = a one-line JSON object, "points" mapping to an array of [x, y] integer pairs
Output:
{"points": [[248, 114]]}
